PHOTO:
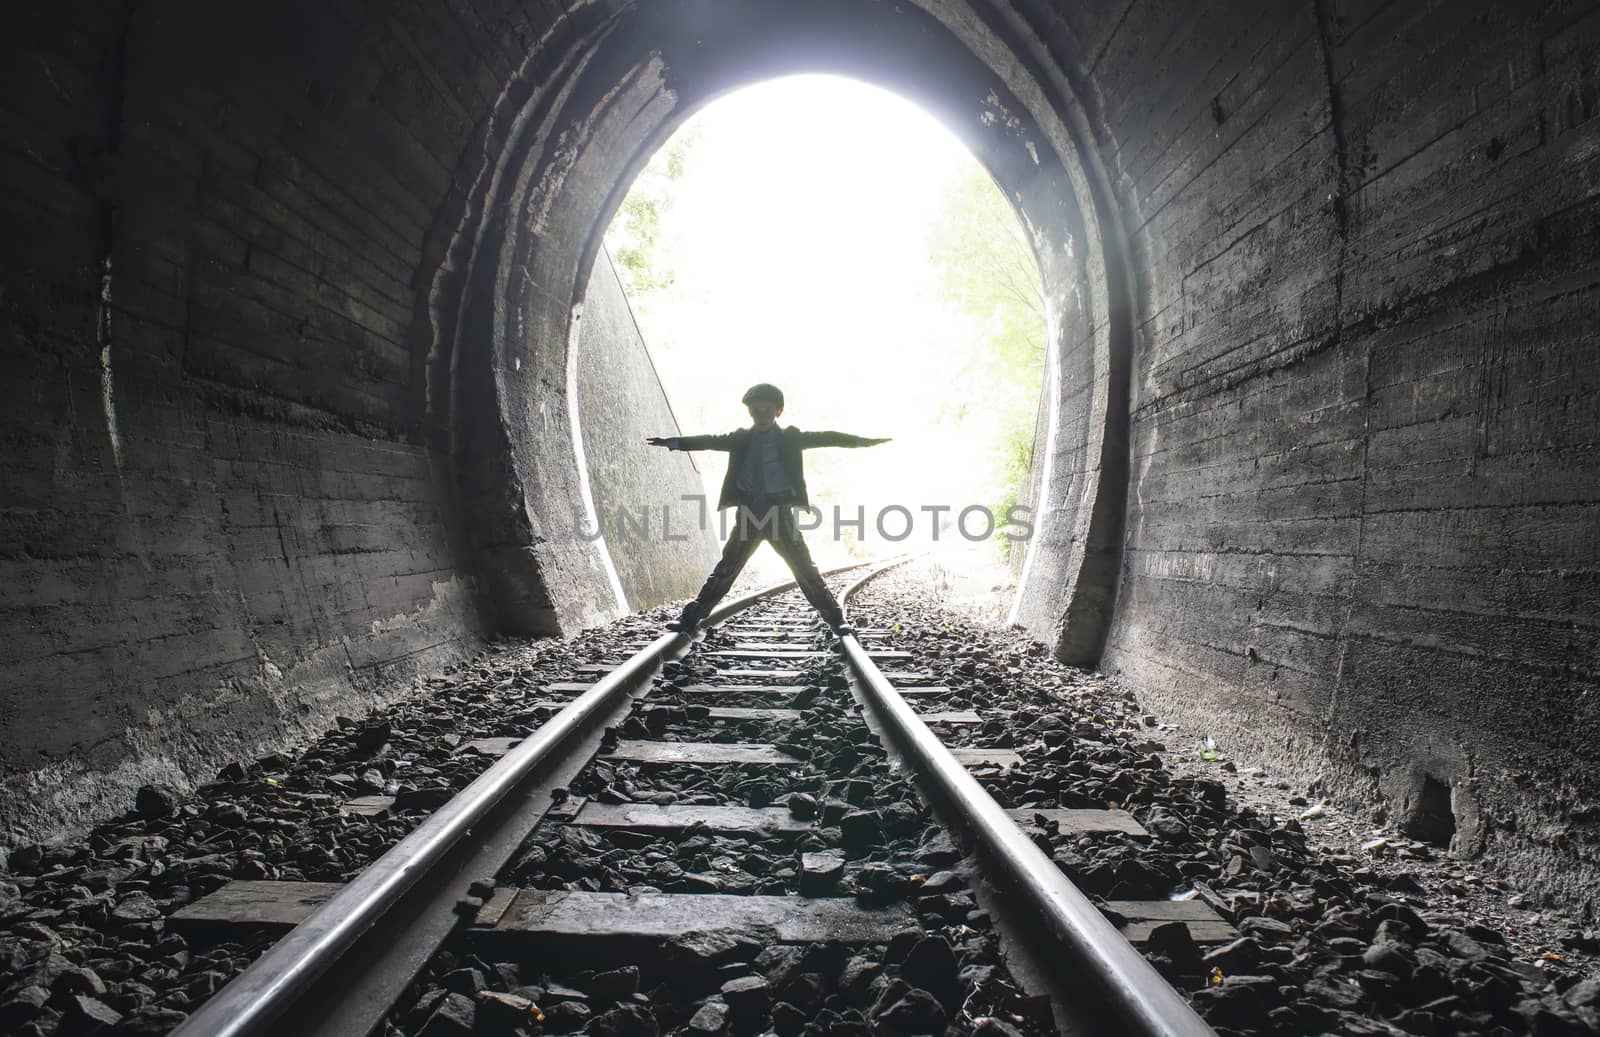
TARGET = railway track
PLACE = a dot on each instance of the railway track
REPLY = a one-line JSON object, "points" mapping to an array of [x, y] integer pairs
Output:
{"points": [[730, 835]]}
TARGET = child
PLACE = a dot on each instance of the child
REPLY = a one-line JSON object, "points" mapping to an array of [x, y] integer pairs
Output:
{"points": [[765, 481]]}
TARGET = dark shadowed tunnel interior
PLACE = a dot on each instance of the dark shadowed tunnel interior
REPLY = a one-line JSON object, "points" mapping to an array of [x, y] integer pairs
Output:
{"points": [[291, 291]]}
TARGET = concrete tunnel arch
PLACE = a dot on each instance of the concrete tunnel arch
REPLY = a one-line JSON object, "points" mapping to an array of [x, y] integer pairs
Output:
{"points": [[587, 110]]}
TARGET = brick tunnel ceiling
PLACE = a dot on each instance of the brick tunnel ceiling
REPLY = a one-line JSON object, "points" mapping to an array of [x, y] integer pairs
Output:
{"points": [[1320, 472]]}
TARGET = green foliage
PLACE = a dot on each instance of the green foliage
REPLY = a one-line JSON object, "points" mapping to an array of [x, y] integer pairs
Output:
{"points": [[1014, 454], [634, 237], [987, 272], [987, 269]]}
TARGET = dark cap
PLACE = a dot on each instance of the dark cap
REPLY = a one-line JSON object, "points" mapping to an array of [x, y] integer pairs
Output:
{"points": [[763, 391]]}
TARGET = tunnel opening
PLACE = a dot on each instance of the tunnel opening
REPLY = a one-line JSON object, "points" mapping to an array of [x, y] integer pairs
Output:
{"points": [[829, 236], [512, 291]]}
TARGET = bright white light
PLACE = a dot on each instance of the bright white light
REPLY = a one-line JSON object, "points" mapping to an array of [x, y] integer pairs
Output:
{"points": [[798, 234]]}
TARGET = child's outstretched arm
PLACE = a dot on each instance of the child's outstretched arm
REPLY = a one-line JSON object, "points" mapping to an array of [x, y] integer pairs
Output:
{"points": [[812, 439], [714, 442]]}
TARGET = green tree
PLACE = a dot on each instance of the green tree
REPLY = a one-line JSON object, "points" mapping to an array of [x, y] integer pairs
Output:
{"points": [[987, 272], [634, 239]]}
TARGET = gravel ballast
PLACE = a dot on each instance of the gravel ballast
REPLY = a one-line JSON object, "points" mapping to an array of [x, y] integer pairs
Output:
{"points": [[1343, 929]]}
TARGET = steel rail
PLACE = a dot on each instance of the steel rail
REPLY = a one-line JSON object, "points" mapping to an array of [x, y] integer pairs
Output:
{"points": [[270, 986], [1111, 982]]}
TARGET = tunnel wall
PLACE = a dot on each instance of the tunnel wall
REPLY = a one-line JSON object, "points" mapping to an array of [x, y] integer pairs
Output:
{"points": [[1363, 509], [660, 555], [222, 525]]}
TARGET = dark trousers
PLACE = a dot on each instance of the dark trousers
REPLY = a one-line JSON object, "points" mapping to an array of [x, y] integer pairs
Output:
{"points": [[776, 525]]}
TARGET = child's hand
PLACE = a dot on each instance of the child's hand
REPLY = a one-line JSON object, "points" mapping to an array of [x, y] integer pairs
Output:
{"points": [[670, 442]]}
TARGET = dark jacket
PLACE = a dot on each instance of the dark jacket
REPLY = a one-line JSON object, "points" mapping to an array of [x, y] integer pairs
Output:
{"points": [[791, 441]]}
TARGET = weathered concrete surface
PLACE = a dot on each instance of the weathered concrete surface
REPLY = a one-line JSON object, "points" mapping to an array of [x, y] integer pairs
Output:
{"points": [[661, 545], [1364, 498], [234, 500], [677, 818], [220, 525]]}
